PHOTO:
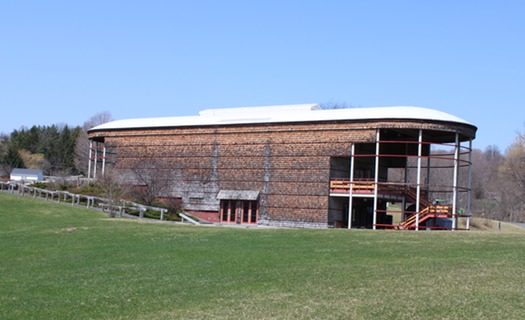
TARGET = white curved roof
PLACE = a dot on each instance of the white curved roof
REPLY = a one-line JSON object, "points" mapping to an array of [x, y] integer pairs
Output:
{"points": [[279, 114]]}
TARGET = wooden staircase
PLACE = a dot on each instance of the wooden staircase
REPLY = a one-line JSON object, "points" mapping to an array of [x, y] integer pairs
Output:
{"points": [[427, 209], [411, 194], [430, 211]]}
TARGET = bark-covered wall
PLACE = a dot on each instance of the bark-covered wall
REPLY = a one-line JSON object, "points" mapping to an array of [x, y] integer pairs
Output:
{"points": [[289, 164]]}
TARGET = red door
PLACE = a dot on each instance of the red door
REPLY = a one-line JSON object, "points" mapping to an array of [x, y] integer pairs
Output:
{"points": [[239, 211]]}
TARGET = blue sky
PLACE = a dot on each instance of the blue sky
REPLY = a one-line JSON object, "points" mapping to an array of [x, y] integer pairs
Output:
{"points": [[64, 61]]}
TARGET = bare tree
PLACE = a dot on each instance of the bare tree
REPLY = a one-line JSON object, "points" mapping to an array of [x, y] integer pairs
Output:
{"points": [[34, 160], [97, 119], [82, 143], [153, 179], [112, 189], [82, 152], [513, 171], [335, 105], [487, 185], [489, 170]]}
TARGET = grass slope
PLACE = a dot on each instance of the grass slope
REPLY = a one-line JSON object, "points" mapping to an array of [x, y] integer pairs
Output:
{"points": [[61, 262]]}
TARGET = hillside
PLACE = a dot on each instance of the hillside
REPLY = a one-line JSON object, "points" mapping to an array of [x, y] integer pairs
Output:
{"points": [[63, 262]]}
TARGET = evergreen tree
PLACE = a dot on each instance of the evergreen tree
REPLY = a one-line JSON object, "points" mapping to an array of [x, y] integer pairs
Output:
{"points": [[57, 144], [50, 142], [66, 148], [12, 159]]}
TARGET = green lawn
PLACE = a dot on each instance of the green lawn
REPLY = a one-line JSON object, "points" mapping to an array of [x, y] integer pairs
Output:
{"points": [[62, 262]]}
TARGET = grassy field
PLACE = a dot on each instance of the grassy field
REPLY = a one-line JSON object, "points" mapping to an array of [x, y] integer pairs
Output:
{"points": [[61, 262]]}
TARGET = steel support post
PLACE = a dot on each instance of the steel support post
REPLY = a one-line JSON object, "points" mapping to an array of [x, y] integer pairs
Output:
{"points": [[418, 182], [376, 180], [455, 185], [104, 160], [89, 158], [350, 197], [95, 161], [469, 181]]}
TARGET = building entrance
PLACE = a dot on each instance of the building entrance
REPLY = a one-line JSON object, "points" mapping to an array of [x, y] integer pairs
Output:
{"points": [[239, 211]]}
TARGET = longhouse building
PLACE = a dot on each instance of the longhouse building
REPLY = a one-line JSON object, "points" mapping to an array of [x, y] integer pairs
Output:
{"points": [[300, 165]]}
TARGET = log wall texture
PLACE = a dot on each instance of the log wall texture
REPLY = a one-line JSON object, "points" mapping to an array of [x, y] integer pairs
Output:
{"points": [[289, 164]]}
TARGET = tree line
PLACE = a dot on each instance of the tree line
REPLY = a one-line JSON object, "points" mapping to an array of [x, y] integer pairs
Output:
{"points": [[57, 149], [49, 148], [498, 182]]}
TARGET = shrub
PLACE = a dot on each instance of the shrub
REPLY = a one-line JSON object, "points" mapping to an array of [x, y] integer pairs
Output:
{"points": [[174, 205], [92, 189], [39, 184]]}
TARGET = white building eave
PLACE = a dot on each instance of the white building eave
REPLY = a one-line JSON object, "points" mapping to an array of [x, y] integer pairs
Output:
{"points": [[282, 114]]}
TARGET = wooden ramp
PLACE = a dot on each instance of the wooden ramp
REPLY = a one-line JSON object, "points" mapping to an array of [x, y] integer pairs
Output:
{"points": [[185, 217]]}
